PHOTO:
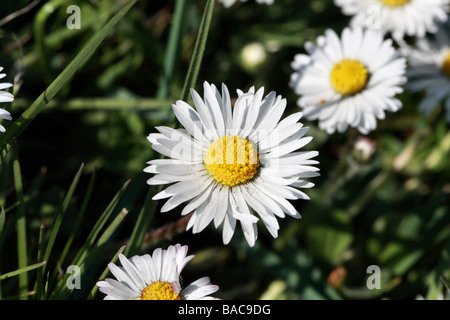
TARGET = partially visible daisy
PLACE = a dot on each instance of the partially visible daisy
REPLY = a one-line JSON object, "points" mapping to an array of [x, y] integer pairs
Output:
{"points": [[229, 3], [429, 71], [399, 17], [5, 97], [350, 81], [155, 277], [233, 165]]}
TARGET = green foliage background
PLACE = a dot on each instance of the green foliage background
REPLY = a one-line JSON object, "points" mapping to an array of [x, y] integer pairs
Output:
{"points": [[65, 181]]}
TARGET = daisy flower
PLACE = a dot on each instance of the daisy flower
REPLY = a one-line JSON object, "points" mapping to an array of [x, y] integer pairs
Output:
{"points": [[229, 3], [429, 71], [5, 97], [399, 17], [349, 81], [155, 277], [233, 164]]}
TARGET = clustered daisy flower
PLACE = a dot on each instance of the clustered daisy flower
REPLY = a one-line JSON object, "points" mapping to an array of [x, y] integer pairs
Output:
{"points": [[429, 70], [233, 164], [399, 17], [5, 97], [348, 81], [229, 3], [155, 277]]}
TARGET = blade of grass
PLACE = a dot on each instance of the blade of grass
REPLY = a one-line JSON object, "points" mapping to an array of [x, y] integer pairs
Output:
{"points": [[107, 104], [144, 219], [2, 219], [39, 285], [66, 75], [111, 228], [20, 224], [199, 49], [99, 225], [78, 220], [91, 238], [172, 49], [21, 271], [61, 213]]}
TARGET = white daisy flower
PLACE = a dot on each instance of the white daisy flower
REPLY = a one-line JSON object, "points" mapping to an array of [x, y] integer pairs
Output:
{"points": [[229, 3], [5, 97], [155, 277], [349, 81], [399, 17], [233, 165], [429, 71]]}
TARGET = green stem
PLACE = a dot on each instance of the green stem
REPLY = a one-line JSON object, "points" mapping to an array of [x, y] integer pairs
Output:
{"points": [[199, 49], [106, 104], [172, 49], [20, 225]]}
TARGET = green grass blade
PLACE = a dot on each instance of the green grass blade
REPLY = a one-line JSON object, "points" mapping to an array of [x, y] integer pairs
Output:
{"points": [[99, 225], [90, 240], [39, 285], [197, 55], [61, 212], [78, 220], [2, 219], [66, 75], [111, 228], [21, 270], [172, 49], [144, 219], [20, 225], [105, 104]]}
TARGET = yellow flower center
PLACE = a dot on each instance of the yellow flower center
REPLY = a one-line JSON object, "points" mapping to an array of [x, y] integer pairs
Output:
{"points": [[232, 160], [395, 3], [446, 65], [349, 77], [160, 290]]}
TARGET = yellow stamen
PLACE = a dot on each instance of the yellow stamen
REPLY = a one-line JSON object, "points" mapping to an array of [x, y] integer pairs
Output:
{"points": [[446, 65], [232, 160], [349, 77], [395, 3], [160, 290]]}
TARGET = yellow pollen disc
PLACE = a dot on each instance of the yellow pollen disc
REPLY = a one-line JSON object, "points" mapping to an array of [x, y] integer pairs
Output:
{"points": [[349, 77], [395, 3], [446, 65], [232, 160], [160, 290]]}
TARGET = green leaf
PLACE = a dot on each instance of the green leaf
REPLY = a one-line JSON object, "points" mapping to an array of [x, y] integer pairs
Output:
{"points": [[60, 214]]}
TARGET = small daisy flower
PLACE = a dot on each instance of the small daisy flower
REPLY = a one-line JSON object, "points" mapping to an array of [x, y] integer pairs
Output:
{"points": [[429, 71], [350, 81], [155, 277], [5, 97], [399, 17], [229, 3], [233, 164]]}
